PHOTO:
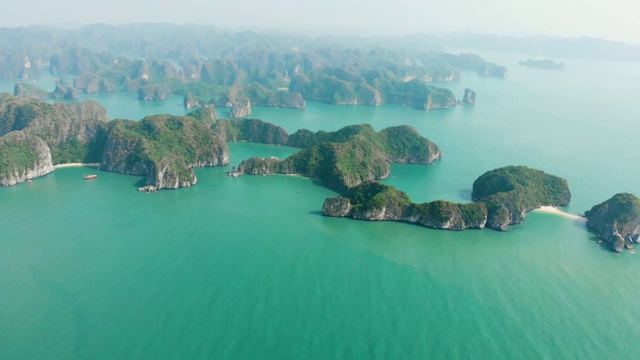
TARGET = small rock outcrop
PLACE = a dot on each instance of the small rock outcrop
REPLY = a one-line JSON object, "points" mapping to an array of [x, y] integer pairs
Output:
{"points": [[616, 221], [64, 92], [190, 101], [23, 157], [90, 110], [469, 97]]}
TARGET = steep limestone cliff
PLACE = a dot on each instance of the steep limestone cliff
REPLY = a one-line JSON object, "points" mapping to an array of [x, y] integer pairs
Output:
{"points": [[70, 131], [152, 93], [241, 107], [23, 156]]}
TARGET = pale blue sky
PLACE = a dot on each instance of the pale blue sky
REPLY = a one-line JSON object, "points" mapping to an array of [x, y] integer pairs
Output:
{"points": [[611, 19]]}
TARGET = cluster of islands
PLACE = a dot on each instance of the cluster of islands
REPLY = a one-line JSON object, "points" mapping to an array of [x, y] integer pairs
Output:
{"points": [[36, 134]]}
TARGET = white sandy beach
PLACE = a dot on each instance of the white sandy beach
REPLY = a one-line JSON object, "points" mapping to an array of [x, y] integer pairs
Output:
{"points": [[556, 211], [75, 165]]}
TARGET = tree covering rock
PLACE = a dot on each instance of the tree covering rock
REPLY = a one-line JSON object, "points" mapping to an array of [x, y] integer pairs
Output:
{"points": [[30, 90], [72, 132], [375, 201], [252, 130], [345, 158], [23, 156], [616, 221], [503, 197], [163, 148], [510, 192]]}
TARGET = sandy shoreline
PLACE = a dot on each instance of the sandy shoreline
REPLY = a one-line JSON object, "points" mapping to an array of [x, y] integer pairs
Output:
{"points": [[59, 166], [556, 211]]}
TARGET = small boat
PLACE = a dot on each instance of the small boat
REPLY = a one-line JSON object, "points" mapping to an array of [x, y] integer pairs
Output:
{"points": [[90, 176]]}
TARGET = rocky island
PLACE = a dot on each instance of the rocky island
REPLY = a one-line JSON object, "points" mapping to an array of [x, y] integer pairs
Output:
{"points": [[616, 221], [511, 192], [503, 197], [345, 158], [35, 135]]}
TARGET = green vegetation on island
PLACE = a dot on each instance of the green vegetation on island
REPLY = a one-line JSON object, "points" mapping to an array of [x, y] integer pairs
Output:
{"points": [[616, 221], [510, 192], [345, 158], [503, 197], [22, 157], [163, 148], [375, 201]]}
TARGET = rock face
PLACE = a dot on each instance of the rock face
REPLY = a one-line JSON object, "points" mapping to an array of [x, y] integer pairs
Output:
{"points": [[368, 95], [437, 102], [90, 110], [495, 70], [22, 157], [616, 221], [442, 214], [375, 201], [64, 92], [206, 115], [510, 192], [152, 93], [282, 99], [29, 90], [469, 97], [93, 83], [241, 107], [190, 101], [336, 207]]}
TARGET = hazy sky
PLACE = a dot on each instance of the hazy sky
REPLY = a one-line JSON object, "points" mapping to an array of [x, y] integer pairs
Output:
{"points": [[611, 19]]}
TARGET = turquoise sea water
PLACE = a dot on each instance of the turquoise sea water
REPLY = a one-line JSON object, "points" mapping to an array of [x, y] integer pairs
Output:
{"points": [[247, 268]]}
